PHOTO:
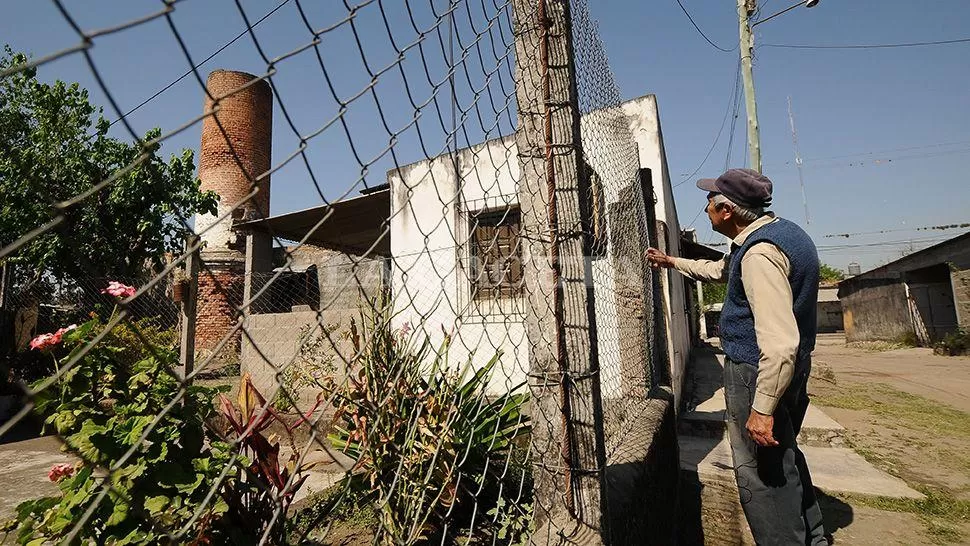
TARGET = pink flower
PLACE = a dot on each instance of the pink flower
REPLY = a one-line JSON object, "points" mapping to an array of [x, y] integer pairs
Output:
{"points": [[119, 290], [59, 471], [44, 342]]}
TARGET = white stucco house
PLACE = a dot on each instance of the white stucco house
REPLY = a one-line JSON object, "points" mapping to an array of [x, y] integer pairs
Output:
{"points": [[453, 238]]}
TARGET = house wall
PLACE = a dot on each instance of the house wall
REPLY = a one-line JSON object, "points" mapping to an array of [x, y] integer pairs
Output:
{"points": [[429, 271], [960, 279], [875, 304], [877, 310], [645, 124]]}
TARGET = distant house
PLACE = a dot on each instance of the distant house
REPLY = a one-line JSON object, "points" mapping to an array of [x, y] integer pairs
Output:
{"points": [[829, 311], [919, 298]]}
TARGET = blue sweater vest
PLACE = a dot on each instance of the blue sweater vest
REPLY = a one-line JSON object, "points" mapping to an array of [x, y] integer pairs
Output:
{"points": [[737, 322]]}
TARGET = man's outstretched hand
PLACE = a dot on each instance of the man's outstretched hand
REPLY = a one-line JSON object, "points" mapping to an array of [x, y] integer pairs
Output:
{"points": [[658, 258]]}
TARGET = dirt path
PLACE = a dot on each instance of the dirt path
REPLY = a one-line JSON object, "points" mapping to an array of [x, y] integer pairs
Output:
{"points": [[908, 412], [944, 379]]}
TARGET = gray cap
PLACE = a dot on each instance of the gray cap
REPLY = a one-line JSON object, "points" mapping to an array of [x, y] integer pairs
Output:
{"points": [[746, 187]]}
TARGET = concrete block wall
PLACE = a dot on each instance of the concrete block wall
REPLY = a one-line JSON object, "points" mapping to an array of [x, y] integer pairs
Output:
{"points": [[274, 340], [877, 311]]}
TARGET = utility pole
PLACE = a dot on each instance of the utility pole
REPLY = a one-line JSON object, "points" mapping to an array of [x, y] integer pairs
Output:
{"points": [[798, 160], [745, 9]]}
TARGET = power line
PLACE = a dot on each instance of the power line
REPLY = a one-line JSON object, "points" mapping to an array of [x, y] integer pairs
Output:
{"points": [[964, 225], [892, 150], [887, 160], [867, 46], [202, 62], [734, 123], [701, 32], [717, 138]]}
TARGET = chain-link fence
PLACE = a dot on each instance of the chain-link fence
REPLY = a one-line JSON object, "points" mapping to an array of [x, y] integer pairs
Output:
{"points": [[450, 352]]}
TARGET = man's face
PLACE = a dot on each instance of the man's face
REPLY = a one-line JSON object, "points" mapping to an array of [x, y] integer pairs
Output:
{"points": [[716, 214]]}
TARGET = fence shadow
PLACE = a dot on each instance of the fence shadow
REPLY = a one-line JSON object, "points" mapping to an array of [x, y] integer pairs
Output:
{"points": [[642, 476]]}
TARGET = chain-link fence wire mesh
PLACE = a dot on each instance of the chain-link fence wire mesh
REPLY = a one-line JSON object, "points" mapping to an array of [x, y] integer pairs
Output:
{"points": [[397, 376], [619, 200]]}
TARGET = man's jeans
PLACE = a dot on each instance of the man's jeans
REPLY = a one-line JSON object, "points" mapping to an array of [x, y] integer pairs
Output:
{"points": [[774, 483]]}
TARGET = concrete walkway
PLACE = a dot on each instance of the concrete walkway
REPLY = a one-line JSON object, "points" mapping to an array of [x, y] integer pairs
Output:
{"points": [[23, 471]]}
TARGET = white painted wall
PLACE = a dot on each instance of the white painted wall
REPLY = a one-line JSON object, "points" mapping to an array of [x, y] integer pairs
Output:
{"points": [[429, 232], [645, 125]]}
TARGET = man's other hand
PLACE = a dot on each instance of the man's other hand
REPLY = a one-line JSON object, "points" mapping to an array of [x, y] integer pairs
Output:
{"points": [[760, 428], [658, 258]]}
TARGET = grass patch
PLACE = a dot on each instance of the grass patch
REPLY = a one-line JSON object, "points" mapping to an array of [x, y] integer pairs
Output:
{"points": [[941, 513], [878, 346], [906, 409]]}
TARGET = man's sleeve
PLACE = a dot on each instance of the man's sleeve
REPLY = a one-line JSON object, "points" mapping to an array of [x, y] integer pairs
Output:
{"points": [[703, 270], [764, 274]]}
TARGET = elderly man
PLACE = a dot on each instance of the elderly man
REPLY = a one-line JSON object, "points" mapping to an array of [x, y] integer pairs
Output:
{"points": [[768, 334]]}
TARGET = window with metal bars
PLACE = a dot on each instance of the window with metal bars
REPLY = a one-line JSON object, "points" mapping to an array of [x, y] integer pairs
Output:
{"points": [[496, 254]]}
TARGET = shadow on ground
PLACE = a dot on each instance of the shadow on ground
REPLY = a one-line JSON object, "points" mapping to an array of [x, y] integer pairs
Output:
{"points": [[704, 375], [835, 513]]}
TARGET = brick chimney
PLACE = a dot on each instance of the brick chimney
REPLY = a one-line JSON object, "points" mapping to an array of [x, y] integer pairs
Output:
{"points": [[236, 149]]}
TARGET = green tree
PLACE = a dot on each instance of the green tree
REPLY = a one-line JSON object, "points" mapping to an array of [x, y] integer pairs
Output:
{"points": [[54, 146], [714, 292], [828, 273]]}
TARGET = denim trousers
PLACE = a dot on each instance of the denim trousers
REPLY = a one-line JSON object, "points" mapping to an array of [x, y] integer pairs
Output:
{"points": [[774, 482]]}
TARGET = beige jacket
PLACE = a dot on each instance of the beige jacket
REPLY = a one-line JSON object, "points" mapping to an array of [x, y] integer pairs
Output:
{"points": [[764, 275]]}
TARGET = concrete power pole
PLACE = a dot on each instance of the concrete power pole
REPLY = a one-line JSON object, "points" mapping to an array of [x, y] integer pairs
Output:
{"points": [[568, 448], [745, 9]]}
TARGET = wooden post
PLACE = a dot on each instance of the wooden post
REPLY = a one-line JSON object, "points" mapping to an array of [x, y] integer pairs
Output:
{"points": [[568, 448], [189, 300]]}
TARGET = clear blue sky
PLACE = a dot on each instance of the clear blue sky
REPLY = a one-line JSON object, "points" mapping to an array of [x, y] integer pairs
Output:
{"points": [[855, 109]]}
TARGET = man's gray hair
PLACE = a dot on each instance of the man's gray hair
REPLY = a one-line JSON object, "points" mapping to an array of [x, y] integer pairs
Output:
{"points": [[745, 213]]}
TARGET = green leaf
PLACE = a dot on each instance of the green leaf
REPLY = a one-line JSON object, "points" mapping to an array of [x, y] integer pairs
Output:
{"points": [[156, 504]]}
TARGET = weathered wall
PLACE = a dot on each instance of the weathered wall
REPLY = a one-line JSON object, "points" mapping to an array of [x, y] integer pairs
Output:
{"points": [[430, 272], [642, 476], [345, 282], [219, 297], [876, 310], [874, 303], [644, 116], [829, 317], [278, 337], [429, 222], [961, 295]]}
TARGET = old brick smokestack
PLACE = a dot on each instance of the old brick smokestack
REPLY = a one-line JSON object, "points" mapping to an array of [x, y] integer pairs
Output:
{"points": [[236, 150]]}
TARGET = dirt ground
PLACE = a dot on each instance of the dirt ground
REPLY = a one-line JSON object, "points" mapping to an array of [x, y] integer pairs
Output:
{"points": [[907, 411]]}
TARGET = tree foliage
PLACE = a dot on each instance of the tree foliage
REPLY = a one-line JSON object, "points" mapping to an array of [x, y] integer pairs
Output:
{"points": [[54, 146], [828, 273]]}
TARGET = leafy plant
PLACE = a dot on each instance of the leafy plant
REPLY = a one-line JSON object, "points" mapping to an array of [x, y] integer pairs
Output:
{"points": [[268, 487], [149, 461], [54, 146], [515, 522], [954, 344], [423, 437], [116, 412], [828, 273], [314, 363]]}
